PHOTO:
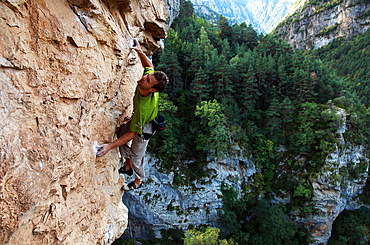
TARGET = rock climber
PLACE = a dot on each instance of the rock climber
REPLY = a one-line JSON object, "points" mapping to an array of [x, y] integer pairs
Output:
{"points": [[132, 140]]}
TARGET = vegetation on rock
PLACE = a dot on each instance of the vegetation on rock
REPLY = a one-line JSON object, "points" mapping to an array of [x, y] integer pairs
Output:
{"points": [[232, 88]]}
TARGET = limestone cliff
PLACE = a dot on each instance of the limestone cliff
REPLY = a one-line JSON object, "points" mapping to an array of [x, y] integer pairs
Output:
{"points": [[334, 188], [67, 79], [317, 23], [161, 204]]}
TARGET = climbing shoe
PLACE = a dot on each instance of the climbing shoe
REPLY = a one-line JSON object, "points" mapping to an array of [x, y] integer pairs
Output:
{"points": [[131, 186], [122, 170]]}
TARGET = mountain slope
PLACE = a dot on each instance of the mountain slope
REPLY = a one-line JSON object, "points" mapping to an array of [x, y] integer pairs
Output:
{"points": [[263, 15], [319, 22]]}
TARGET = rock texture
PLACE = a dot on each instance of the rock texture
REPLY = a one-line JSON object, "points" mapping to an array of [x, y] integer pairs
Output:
{"points": [[67, 76], [337, 186], [161, 205], [319, 22]]}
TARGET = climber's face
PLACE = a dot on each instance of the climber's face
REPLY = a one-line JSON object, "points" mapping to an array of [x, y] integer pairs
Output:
{"points": [[147, 82]]}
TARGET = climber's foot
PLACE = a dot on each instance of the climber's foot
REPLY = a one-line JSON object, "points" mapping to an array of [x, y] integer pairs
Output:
{"points": [[131, 186], [123, 170]]}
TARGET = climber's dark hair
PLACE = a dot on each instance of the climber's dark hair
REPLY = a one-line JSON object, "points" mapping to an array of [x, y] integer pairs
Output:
{"points": [[162, 79]]}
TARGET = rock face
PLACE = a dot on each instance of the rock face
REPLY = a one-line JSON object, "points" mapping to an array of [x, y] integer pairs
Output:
{"points": [[67, 77], [319, 22], [334, 188], [263, 15], [160, 204]]}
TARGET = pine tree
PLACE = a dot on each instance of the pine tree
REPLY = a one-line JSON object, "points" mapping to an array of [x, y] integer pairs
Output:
{"points": [[193, 62], [282, 76], [225, 29], [170, 65], [221, 77], [201, 86], [250, 94], [274, 120], [287, 114], [225, 49], [248, 36], [204, 44]]}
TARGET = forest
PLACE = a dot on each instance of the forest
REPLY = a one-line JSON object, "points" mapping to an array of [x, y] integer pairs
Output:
{"points": [[236, 92]]}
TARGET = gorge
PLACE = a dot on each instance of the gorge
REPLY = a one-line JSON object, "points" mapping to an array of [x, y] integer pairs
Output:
{"points": [[245, 113]]}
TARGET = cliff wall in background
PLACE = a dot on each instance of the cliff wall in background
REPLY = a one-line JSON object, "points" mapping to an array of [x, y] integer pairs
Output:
{"points": [[162, 204], [67, 76], [319, 22]]}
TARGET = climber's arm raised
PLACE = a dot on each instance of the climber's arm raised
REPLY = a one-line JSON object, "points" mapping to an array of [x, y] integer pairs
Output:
{"points": [[145, 61]]}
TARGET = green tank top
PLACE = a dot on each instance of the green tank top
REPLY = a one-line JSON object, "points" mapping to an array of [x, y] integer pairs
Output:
{"points": [[145, 108]]}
